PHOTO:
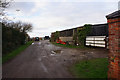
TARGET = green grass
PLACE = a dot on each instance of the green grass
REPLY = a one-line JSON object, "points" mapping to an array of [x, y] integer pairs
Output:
{"points": [[69, 46], [94, 68], [11, 55]]}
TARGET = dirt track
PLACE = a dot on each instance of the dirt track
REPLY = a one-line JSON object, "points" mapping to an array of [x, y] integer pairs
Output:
{"points": [[44, 60]]}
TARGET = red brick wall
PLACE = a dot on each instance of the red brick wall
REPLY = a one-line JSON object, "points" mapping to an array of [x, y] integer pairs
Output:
{"points": [[114, 48]]}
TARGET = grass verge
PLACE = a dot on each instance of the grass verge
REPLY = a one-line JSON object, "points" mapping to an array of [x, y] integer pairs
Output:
{"points": [[11, 55], [94, 68], [69, 46]]}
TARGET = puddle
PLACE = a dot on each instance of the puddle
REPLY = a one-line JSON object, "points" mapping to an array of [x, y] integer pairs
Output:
{"points": [[32, 43], [57, 51], [39, 43], [73, 55], [39, 59], [44, 56], [53, 52]]}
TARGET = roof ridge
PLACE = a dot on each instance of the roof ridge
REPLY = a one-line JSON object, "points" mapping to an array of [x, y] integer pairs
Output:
{"points": [[113, 15]]}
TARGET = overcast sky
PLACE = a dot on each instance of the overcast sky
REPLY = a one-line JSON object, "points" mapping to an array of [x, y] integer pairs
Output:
{"points": [[54, 15]]}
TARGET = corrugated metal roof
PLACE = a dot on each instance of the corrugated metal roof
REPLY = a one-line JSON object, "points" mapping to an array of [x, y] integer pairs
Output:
{"points": [[113, 15]]}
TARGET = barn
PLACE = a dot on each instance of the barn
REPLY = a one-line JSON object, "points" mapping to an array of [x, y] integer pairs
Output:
{"points": [[98, 31], [98, 36]]}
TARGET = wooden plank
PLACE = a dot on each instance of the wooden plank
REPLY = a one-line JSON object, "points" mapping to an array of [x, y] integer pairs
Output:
{"points": [[94, 40], [98, 41]]}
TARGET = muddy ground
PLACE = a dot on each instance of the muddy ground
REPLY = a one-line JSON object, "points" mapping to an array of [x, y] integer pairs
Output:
{"points": [[45, 60]]}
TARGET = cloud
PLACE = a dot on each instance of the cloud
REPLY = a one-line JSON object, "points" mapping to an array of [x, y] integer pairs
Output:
{"points": [[119, 5], [48, 17], [39, 5], [67, 0], [23, 7]]}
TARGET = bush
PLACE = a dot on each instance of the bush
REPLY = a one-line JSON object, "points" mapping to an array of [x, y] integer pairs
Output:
{"points": [[12, 38], [82, 33]]}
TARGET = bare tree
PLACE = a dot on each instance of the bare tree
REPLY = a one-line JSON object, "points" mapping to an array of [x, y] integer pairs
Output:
{"points": [[23, 27], [18, 25], [3, 5], [27, 27]]}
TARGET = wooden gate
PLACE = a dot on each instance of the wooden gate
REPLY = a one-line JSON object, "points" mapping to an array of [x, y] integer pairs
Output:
{"points": [[97, 41]]}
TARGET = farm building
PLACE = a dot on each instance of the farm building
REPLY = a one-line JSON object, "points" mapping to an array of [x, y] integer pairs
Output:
{"points": [[68, 34], [98, 36], [99, 30]]}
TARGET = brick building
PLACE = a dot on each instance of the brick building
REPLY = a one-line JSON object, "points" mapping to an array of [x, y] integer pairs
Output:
{"points": [[114, 45]]}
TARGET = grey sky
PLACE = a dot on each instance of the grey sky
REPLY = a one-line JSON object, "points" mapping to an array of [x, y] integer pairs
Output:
{"points": [[48, 17]]}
